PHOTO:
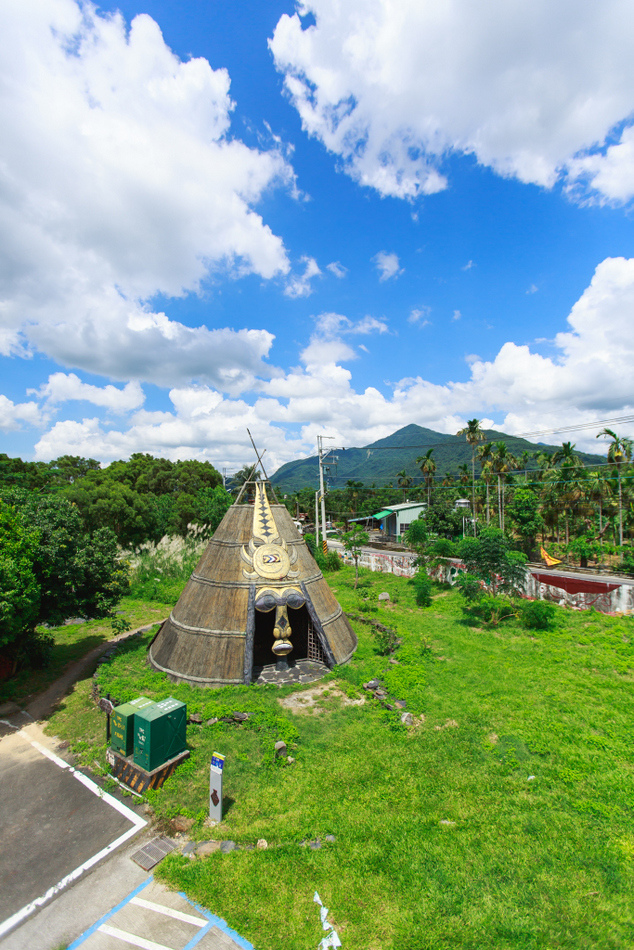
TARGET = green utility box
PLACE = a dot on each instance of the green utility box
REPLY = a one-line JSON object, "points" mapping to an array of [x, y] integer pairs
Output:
{"points": [[159, 733], [122, 724]]}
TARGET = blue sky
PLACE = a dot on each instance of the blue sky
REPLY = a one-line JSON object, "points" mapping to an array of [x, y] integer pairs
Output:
{"points": [[312, 218]]}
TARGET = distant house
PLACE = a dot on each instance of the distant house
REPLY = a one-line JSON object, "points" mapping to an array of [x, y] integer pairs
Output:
{"points": [[396, 519]]}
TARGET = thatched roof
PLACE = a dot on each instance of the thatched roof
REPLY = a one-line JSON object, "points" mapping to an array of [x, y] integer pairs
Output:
{"points": [[223, 624]]}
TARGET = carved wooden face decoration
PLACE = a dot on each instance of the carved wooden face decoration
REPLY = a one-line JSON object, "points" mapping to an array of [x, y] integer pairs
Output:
{"points": [[268, 599], [270, 560]]}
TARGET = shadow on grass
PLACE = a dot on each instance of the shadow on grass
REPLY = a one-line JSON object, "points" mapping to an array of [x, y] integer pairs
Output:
{"points": [[227, 805], [27, 682]]}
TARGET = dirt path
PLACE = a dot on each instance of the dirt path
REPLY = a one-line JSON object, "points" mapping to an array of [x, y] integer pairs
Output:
{"points": [[45, 702]]}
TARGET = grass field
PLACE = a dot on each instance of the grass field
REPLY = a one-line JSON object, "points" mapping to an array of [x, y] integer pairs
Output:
{"points": [[72, 642], [502, 819]]}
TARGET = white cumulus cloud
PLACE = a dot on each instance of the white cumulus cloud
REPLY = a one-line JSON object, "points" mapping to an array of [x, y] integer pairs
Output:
{"points": [[64, 387], [387, 265], [299, 286], [393, 86], [586, 378], [119, 181], [14, 416]]}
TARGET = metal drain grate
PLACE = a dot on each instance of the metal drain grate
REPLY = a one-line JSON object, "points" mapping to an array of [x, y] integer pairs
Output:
{"points": [[153, 852]]}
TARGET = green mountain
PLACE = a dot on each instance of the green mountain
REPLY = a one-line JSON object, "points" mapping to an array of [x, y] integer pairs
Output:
{"points": [[379, 462]]}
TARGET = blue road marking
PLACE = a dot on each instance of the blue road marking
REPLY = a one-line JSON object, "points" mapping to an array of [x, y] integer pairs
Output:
{"points": [[212, 921], [111, 913]]}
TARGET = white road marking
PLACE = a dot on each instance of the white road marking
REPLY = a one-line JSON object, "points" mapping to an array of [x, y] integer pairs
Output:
{"points": [[137, 824], [92, 786], [131, 938], [28, 909], [176, 914]]}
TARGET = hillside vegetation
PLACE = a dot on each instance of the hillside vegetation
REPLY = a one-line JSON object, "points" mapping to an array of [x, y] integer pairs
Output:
{"points": [[380, 462], [500, 818]]}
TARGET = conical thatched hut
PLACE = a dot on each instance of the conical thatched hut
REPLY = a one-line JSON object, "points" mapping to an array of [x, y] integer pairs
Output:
{"points": [[256, 596]]}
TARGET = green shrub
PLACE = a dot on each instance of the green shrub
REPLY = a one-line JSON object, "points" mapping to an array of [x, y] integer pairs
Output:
{"points": [[469, 586], [538, 614], [490, 611], [35, 648], [423, 587], [443, 547], [627, 562], [386, 639], [367, 599]]}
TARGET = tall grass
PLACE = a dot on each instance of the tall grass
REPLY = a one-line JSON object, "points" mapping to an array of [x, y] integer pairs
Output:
{"points": [[160, 571]]}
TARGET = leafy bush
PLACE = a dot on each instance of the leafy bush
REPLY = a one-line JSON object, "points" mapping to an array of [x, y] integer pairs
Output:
{"points": [[422, 586], [35, 649], [490, 611], [386, 639], [491, 558], [538, 614], [627, 562], [367, 599], [333, 561], [443, 547], [469, 586]]}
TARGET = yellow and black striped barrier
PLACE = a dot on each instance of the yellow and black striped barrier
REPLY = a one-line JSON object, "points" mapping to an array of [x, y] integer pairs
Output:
{"points": [[136, 778]]}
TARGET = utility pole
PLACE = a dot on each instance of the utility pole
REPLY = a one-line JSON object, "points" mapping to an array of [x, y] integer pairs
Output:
{"points": [[322, 456]]}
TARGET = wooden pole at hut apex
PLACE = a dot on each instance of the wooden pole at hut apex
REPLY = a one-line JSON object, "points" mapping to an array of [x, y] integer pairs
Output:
{"points": [[215, 786]]}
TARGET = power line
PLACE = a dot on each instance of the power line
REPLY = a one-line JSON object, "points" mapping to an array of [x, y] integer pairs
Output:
{"points": [[604, 423]]}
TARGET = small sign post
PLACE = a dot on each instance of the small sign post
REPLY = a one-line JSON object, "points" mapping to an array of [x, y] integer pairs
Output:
{"points": [[107, 706], [215, 786]]}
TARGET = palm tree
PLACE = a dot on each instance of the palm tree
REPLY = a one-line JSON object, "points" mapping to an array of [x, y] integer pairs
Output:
{"points": [[597, 488], [404, 481], [463, 474], [473, 434], [352, 495], [485, 460], [523, 460], [619, 451], [502, 462], [570, 472], [428, 467]]}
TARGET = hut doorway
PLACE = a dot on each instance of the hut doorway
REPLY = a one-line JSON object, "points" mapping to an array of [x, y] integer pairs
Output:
{"points": [[304, 638]]}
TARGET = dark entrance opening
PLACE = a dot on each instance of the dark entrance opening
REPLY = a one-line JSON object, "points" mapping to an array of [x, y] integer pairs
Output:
{"points": [[304, 638], [263, 639]]}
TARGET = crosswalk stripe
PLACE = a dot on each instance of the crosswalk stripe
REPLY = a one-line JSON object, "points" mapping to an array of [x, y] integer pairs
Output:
{"points": [[176, 914], [131, 938]]}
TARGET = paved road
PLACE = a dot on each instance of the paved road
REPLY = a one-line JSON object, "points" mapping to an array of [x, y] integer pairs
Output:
{"points": [[51, 823], [67, 878]]}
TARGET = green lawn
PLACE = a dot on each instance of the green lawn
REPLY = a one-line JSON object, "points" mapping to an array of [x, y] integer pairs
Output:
{"points": [[503, 819], [74, 641]]}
